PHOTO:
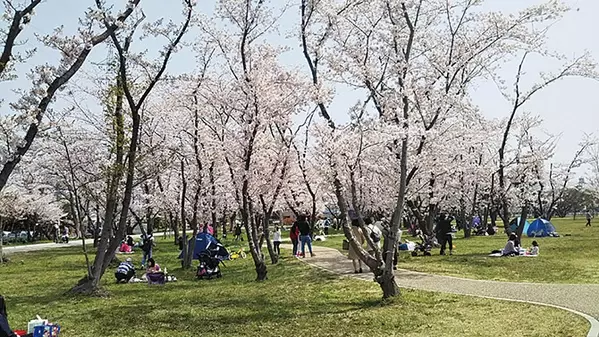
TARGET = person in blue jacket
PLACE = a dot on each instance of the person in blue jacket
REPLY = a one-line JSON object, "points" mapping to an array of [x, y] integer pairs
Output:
{"points": [[5, 330]]}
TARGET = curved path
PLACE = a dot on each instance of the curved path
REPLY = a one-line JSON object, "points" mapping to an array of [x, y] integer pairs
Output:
{"points": [[581, 299]]}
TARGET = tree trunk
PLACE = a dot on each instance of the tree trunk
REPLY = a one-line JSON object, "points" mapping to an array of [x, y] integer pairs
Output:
{"points": [[523, 217], [174, 226], [252, 234], [261, 272], [97, 226], [233, 220], [223, 223], [185, 262], [115, 176], [485, 218], [213, 199], [388, 285], [1, 239], [194, 229], [274, 258], [430, 219]]}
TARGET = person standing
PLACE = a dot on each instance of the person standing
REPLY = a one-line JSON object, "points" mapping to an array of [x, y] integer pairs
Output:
{"points": [[353, 254], [5, 330], [294, 236], [374, 232], [146, 247], [589, 218], [238, 235], [444, 233], [326, 225], [277, 240], [56, 233], [305, 231]]}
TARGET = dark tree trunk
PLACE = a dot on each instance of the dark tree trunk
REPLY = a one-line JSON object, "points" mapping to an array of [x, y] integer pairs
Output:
{"points": [[223, 224], [185, 262], [261, 272], [388, 285], [174, 226], [233, 219], [274, 258], [213, 199], [1, 239], [485, 218], [523, 217], [97, 226]]}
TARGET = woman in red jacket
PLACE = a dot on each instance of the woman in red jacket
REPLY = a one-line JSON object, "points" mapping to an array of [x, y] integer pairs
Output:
{"points": [[294, 236]]}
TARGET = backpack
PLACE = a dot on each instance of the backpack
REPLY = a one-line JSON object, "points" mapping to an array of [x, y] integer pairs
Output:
{"points": [[376, 237]]}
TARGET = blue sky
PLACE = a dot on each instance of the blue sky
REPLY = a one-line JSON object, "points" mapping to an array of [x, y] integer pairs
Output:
{"points": [[569, 108]]}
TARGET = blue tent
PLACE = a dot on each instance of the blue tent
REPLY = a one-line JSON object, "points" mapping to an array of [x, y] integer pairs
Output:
{"points": [[514, 225], [540, 228], [206, 242]]}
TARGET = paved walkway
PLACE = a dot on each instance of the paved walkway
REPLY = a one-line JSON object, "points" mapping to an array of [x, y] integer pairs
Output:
{"points": [[45, 246], [581, 299]]}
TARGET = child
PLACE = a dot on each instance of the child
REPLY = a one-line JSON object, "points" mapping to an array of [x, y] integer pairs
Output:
{"points": [[277, 240], [534, 250]]}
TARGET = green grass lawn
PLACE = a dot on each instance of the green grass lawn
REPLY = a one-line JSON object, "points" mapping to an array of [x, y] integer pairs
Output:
{"points": [[295, 299], [568, 259]]}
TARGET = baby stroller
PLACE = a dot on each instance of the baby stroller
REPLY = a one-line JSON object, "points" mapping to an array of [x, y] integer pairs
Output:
{"points": [[208, 267], [210, 252], [425, 246]]}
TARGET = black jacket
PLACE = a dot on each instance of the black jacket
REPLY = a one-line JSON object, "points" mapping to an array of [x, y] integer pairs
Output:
{"points": [[444, 226], [5, 330], [304, 227]]}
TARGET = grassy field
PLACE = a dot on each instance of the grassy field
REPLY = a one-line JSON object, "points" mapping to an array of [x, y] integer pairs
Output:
{"points": [[568, 259], [295, 299]]}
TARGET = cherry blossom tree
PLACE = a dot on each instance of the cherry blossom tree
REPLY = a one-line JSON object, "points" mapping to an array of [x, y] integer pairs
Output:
{"points": [[415, 61], [579, 66], [126, 92], [47, 80]]}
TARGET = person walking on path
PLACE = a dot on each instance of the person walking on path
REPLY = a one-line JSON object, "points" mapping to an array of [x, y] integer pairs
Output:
{"points": [[304, 229], [444, 233], [353, 255], [589, 218], [294, 236]]}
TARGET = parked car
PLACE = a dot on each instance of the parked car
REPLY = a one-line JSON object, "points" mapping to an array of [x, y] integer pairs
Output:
{"points": [[17, 236], [5, 235]]}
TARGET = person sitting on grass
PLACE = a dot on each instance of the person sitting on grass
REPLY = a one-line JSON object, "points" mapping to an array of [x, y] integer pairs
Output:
{"points": [[130, 241], [154, 274], [153, 267], [125, 271], [511, 247], [125, 248], [5, 330], [534, 250]]}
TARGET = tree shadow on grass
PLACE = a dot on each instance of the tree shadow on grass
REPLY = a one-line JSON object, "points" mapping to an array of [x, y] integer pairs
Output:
{"points": [[224, 314]]}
